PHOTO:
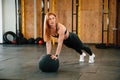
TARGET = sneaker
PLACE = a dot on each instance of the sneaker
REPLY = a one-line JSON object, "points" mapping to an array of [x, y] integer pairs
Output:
{"points": [[82, 57], [91, 58]]}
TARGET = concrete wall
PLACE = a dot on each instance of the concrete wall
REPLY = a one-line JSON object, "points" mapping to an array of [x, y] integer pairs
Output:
{"points": [[1, 29], [9, 20]]}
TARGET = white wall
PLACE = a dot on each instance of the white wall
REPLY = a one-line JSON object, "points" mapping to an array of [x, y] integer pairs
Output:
{"points": [[1, 28], [9, 17]]}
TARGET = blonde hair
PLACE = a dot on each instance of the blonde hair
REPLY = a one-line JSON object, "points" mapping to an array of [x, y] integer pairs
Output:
{"points": [[47, 36]]}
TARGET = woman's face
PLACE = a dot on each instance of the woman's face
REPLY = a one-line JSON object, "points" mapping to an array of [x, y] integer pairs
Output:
{"points": [[52, 20]]}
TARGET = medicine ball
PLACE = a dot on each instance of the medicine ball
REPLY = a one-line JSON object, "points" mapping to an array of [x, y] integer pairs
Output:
{"points": [[47, 64], [37, 40], [31, 41], [23, 40]]}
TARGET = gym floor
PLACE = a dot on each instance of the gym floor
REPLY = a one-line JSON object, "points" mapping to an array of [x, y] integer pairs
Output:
{"points": [[20, 62]]}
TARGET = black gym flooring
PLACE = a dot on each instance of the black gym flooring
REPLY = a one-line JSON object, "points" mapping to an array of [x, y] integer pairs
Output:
{"points": [[20, 62]]}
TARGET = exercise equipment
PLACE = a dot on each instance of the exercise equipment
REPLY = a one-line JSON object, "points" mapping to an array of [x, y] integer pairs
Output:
{"points": [[37, 40], [23, 40], [43, 15], [46, 64], [75, 15], [9, 37], [31, 41], [53, 10], [105, 28], [40, 42], [13, 42]]}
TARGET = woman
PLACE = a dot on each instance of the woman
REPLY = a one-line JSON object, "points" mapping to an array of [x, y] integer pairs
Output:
{"points": [[55, 29]]}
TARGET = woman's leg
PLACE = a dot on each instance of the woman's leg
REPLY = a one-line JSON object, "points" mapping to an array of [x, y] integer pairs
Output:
{"points": [[71, 43], [78, 45], [87, 49], [74, 42]]}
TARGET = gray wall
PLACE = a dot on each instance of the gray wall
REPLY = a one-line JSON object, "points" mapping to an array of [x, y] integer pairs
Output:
{"points": [[1, 22], [9, 20], [7, 17]]}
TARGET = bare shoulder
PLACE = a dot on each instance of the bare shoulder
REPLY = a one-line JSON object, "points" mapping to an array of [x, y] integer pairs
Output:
{"points": [[61, 27]]}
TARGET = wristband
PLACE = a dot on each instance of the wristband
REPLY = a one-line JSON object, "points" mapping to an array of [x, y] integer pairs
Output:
{"points": [[57, 55]]}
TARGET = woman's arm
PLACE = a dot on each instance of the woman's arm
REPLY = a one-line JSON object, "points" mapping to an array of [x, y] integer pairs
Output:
{"points": [[48, 46], [61, 32], [58, 50], [60, 42], [60, 39]]}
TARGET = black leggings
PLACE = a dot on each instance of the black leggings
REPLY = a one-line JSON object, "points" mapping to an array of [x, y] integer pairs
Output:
{"points": [[74, 42]]}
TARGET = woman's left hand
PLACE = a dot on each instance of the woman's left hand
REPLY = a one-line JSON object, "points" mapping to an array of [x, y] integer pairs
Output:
{"points": [[54, 57]]}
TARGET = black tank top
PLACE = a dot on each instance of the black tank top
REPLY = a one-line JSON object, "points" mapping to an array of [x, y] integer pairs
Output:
{"points": [[57, 35]]}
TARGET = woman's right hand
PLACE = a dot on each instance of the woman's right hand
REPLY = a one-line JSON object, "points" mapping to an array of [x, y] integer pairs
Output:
{"points": [[54, 57]]}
